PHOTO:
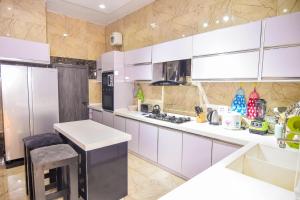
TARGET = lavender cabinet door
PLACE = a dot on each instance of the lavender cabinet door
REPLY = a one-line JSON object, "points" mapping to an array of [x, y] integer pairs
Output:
{"points": [[132, 128], [196, 154], [119, 123], [138, 56], [148, 141], [97, 116], [222, 150], [108, 119], [170, 149], [138, 73]]}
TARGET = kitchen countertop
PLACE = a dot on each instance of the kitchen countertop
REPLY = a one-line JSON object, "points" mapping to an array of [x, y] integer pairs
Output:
{"points": [[96, 106], [90, 135], [219, 182]]}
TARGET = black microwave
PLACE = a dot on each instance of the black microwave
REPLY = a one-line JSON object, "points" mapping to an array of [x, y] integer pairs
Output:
{"points": [[108, 90]]}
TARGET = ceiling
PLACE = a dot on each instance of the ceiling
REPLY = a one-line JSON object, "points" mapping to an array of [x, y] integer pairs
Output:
{"points": [[89, 10]]}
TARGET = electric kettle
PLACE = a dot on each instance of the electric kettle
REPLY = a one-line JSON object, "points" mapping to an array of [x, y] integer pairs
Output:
{"points": [[213, 117]]}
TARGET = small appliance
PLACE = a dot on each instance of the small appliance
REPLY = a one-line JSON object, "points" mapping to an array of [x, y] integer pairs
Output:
{"points": [[259, 125], [213, 117], [146, 108], [231, 120], [169, 118], [156, 109]]}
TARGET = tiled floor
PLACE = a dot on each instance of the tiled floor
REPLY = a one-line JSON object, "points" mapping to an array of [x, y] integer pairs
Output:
{"points": [[146, 181]]}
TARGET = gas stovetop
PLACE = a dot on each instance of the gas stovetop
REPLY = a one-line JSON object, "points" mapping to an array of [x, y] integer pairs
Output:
{"points": [[169, 118]]}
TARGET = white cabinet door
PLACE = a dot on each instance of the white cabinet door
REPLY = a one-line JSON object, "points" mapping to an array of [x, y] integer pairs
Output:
{"points": [[119, 123], [108, 119], [138, 73], [282, 30], [196, 154], [111, 60], [281, 63], [97, 116], [236, 38], [173, 50], [228, 66], [138, 56], [132, 128], [222, 150], [170, 149], [148, 141]]}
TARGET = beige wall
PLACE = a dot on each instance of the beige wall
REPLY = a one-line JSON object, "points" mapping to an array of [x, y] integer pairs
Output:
{"points": [[23, 19], [177, 18], [85, 40]]}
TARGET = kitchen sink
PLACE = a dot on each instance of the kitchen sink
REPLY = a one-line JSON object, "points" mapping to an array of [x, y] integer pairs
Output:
{"points": [[275, 166]]}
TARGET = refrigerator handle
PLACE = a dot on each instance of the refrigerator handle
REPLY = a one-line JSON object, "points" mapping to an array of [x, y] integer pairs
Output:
{"points": [[30, 100]]}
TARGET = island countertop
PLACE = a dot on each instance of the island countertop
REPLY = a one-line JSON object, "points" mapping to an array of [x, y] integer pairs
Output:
{"points": [[90, 135]]}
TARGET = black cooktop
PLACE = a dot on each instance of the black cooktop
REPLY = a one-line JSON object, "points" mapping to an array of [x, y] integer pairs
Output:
{"points": [[169, 118]]}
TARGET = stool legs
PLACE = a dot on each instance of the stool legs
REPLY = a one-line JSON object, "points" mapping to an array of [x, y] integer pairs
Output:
{"points": [[39, 184], [73, 180]]}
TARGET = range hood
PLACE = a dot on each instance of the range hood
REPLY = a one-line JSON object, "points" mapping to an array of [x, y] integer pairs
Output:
{"points": [[171, 73]]}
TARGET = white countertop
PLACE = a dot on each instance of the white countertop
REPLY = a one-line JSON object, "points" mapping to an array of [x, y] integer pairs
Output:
{"points": [[219, 182], [90, 135], [96, 106]]}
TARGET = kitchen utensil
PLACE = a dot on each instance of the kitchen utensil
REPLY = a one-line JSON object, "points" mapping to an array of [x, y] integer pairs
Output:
{"points": [[156, 109], [293, 124], [231, 120], [213, 117], [278, 131], [200, 116]]}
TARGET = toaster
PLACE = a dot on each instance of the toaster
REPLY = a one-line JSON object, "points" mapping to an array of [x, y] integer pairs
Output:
{"points": [[146, 108]]}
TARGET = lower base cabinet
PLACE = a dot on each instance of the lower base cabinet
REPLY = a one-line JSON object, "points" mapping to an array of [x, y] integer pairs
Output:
{"points": [[97, 116], [108, 119], [148, 141], [132, 128], [170, 149], [196, 154], [221, 150], [119, 123]]}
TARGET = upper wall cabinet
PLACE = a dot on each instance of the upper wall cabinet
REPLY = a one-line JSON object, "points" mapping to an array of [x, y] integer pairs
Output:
{"points": [[237, 38], [173, 50], [112, 60], [282, 30], [12, 49], [138, 56], [281, 63], [227, 66], [138, 73]]}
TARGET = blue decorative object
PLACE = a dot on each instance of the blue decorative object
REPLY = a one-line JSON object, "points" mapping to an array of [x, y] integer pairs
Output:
{"points": [[239, 102]]}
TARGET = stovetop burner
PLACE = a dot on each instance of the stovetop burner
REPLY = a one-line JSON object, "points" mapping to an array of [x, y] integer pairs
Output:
{"points": [[169, 118]]}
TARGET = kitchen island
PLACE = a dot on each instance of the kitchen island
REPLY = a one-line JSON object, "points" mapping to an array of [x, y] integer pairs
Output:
{"points": [[103, 158]]}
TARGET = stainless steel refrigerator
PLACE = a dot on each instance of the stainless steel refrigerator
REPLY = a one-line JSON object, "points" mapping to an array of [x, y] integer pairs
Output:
{"points": [[30, 105]]}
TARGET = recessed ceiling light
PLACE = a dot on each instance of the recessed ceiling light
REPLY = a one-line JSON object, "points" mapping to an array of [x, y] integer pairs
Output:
{"points": [[225, 18], [153, 25], [182, 35], [102, 6], [65, 34], [217, 21], [9, 8], [205, 24], [285, 10]]}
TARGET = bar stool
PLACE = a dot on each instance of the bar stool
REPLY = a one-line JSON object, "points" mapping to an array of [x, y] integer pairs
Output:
{"points": [[55, 156], [34, 142]]}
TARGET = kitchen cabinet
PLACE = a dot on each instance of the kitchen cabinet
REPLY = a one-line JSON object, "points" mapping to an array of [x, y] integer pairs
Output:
{"points": [[170, 149], [221, 150], [138, 73], [227, 66], [281, 63], [112, 60], [173, 50], [196, 154], [148, 141], [138, 56], [119, 123], [132, 128], [108, 119], [97, 116], [282, 30], [236, 38]]}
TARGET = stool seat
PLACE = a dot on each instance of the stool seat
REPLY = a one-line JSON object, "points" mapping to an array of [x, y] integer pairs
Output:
{"points": [[41, 140], [53, 153]]}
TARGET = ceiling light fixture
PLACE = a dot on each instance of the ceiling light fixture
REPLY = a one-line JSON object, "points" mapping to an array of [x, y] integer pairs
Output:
{"points": [[182, 35], [9, 8], [65, 34], [153, 25], [205, 24], [225, 18], [102, 6], [285, 10], [217, 21]]}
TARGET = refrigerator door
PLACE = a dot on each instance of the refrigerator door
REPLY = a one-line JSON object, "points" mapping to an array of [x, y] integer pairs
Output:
{"points": [[43, 99], [15, 109]]}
